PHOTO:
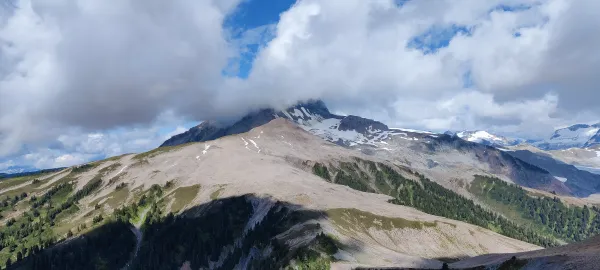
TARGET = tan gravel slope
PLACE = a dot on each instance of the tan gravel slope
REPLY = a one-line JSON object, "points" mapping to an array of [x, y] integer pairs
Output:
{"points": [[274, 161]]}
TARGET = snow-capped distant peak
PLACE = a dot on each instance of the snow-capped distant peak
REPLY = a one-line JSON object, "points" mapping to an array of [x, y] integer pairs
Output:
{"points": [[484, 137], [477, 136], [580, 135]]}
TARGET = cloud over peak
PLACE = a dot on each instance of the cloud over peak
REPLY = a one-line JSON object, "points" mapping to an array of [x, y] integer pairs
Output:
{"points": [[71, 68]]}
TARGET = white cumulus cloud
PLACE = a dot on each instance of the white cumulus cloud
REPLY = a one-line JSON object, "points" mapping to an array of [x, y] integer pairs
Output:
{"points": [[88, 77]]}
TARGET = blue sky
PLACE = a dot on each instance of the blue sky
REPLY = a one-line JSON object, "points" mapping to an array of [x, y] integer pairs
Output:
{"points": [[249, 15], [253, 14]]}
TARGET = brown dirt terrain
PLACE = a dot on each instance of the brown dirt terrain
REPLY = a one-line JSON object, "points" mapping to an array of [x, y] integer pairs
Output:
{"points": [[584, 255]]}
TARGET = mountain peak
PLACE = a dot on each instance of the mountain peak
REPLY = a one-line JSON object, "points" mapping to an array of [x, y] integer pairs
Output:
{"points": [[302, 112], [579, 135], [361, 125], [484, 137], [312, 116]]}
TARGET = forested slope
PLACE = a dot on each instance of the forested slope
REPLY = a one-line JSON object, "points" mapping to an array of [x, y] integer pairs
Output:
{"points": [[563, 223], [221, 234]]}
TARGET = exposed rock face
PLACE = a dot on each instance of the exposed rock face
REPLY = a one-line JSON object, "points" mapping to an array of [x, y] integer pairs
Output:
{"points": [[361, 125], [206, 131]]}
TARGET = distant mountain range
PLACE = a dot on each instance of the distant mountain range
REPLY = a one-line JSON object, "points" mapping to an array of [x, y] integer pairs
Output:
{"points": [[10, 174], [576, 136], [580, 135], [486, 138], [438, 153], [16, 170]]}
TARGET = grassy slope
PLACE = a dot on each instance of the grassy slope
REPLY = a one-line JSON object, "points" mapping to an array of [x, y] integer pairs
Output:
{"points": [[480, 190], [183, 196], [510, 200], [424, 195]]}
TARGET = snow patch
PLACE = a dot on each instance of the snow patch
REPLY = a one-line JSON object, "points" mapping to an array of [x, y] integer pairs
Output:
{"points": [[297, 113], [288, 115], [412, 130], [478, 136], [328, 129], [245, 143], [567, 138], [254, 143], [206, 147], [305, 111], [120, 171], [562, 179]]}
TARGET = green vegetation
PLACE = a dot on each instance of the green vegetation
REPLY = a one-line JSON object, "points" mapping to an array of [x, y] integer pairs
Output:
{"points": [[11, 202], [30, 174], [117, 197], [107, 247], [106, 170], [115, 179], [322, 171], [354, 219], [84, 168], [157, 151], [347, 179], [550, 215], [199, 236], [91, 186], [349, 174], [170, 241], [11, 182], [432, 198], [215, 194], [22, 178], [33, 231], [183, 196], [169, 184], [121, 186], [54, 195], [308, 259]]}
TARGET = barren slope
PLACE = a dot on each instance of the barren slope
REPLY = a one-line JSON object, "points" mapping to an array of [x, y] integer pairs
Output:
{"points": [[274, 161], [271, 161], [581, 256]]}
